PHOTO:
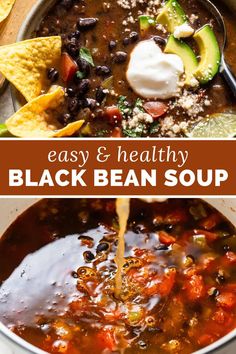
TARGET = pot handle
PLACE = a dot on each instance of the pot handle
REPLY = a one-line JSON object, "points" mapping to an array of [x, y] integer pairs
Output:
{"points": [[228, 75]]}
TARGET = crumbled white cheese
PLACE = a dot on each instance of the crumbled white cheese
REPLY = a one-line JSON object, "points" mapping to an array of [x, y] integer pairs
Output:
{"points": [[191, 103], [183, 31], [193, 18]]}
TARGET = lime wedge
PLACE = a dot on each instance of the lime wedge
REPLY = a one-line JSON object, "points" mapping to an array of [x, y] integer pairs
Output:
{"points": [[221, 125]]}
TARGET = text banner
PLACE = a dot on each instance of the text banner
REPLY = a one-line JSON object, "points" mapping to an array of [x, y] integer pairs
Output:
{"points": [[112, 167]]}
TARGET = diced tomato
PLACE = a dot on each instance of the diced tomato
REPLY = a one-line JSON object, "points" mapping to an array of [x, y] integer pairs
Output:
{"points": [[166, 238], [155, 109], [222, 317], [68, 67], [226, 300], [210, 236], [211, 221], [113, 114], [229, 258], [206, 339], [195, 288], [105, 340], [116, 133], [167, 283]]}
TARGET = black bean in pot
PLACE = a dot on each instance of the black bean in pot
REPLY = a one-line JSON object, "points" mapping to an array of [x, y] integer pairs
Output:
{"points": [[87, 23], [102, 70], [53, 75], [84, 66], [133, 37], [103, 246], [84, 86], [88, 256], [100, 94], [73, 105], [112, 45], [120, 57]]}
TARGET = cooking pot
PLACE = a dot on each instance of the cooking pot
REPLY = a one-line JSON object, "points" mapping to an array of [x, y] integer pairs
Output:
{"points": [[12, 344]]}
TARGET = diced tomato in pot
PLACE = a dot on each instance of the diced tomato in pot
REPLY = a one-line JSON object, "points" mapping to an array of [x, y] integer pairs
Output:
{"points": [[113, 114], [68, 67], [229, 258], [210, 236], [205, 340], [166, 238], [155, 109], [195, 288], [167, 283], [226, 300], [105, 340], [222, 317], [117, 133], [210, 222]]}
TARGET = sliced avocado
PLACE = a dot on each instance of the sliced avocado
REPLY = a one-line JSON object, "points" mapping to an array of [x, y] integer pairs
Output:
{"points": [[180, 48], [210, 54], [145, 22], [171, 16]]}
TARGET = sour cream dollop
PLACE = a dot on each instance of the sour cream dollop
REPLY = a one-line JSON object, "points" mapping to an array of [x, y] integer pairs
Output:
{"points": [[152, 73]]}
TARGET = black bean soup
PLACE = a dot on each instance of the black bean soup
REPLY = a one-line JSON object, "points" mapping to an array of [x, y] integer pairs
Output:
{"points": [[98, 38], [57, 274]]}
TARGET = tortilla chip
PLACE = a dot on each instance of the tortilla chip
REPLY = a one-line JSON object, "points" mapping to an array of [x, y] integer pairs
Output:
{"points": [[5, 8], [25, 63], [36, 120]]}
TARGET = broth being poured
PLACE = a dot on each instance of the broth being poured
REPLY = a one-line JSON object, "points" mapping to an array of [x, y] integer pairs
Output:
{"points": [[67, 287], [122, 210]]}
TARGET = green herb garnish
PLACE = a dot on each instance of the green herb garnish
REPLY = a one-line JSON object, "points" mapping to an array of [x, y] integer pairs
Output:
{"points": [[134, 133], [86, 55], [102, 132], [80, 75], [154, 128], [124, 106], [139, 104]]}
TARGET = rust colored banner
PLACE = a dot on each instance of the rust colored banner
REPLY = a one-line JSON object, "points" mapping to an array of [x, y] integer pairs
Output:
{"points": [[85, 167]]}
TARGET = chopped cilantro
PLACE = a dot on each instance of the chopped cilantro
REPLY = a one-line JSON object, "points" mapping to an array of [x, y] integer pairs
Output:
{"points": [[102, 132], [134, 133], [139, 104], [154, 127], [124, 106], [86, 55], [80, 75]]}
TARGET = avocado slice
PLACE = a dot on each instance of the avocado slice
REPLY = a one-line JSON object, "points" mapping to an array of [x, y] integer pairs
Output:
{"points": [[171, 16], [180, 48], [210, 54], [145, 22]]}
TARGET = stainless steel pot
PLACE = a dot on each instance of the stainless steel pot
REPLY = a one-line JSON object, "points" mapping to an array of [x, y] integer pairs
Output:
{"points": [[12, 344]]}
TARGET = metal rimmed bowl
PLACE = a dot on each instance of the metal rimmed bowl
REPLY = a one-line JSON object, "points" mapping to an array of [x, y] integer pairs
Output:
{"points": [[10, 343]]}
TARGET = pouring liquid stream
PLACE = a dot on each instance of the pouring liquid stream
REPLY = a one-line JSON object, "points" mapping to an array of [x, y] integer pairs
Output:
{"points": [[122, 210]]}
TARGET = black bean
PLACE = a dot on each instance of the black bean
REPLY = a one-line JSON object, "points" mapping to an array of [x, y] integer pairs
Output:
{"points": [[133, 37], [161, 248], [53, 75], [112, 45], [120, 57], [84, 86], [70, 92], [73, 105], [126, 41], [67, 3], [168, 228], [65, 119], [142, 344], [72, 49], [103, 246], [87, 23], [88, 256], [160, 40], [100, 94], [75, 34], [213, 292], [226, 248], [220, 279], [90, 103], [102, 70], [84, 66]]}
